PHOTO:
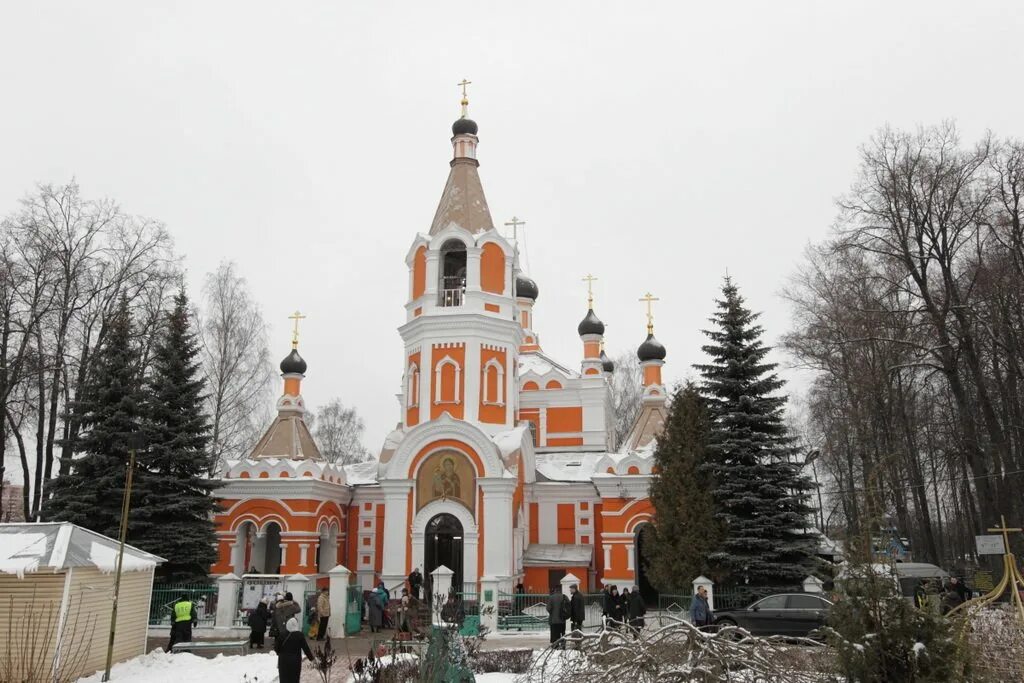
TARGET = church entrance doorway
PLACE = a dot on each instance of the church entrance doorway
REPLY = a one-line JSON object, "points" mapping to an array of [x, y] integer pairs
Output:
{"points": [[642, 546], [443, 547]]}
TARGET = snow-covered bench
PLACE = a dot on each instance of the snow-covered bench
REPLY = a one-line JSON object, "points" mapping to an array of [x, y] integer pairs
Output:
{"points": [[239, 645]]}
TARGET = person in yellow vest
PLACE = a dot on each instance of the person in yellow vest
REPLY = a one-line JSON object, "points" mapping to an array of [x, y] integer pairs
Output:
{"points": [[183, 618]]}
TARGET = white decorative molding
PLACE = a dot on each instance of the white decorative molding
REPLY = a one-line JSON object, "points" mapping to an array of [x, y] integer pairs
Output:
{"points": [[447, 360], [499, 394], [444, 427]]}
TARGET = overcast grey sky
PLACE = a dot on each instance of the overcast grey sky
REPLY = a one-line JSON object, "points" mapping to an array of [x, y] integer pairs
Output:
{"points": [[655, 144]]}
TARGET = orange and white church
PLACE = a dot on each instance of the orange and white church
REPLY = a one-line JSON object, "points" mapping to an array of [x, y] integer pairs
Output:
{"points": [[503, 466]]}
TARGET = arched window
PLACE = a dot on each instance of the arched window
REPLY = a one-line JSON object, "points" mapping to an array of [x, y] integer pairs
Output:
{"points": [[553, 384], [447, 381], [453, 273], [412, 386], [494, 383]]}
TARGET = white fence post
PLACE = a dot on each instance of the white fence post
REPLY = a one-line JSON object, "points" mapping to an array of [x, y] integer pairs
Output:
{"points": [[568, 581], [489, 603], [227, 600], [339, 578], [704, 582], [296, 585], [440, 585]]}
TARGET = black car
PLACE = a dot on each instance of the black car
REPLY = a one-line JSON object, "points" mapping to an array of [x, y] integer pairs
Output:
{"points": [[788, 614]]}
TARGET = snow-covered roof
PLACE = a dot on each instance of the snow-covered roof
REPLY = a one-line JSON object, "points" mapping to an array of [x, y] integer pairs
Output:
{"points": [[361, 473], [27, 548], [540, 364], [509, 442], [568, 465], [557, 555]]}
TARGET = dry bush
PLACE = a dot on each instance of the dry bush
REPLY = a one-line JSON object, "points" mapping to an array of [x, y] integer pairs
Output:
{"points": [[682, 653], [35, 650]]}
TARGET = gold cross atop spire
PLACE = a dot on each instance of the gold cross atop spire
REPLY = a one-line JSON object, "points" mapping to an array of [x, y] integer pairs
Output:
{"points": [[296, 316], [465, 99], [649, 298], [589, 279], [1006, 533], [515, 223]]}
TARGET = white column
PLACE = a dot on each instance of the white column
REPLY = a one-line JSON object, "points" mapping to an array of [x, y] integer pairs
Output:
{"points": [[303, 554], [441, 582], [259, 552], [339, 583], [296, 585], [489, 588], [396, 531], [568, 581], [227, 600], [238, 557], [471, 380], [473, 269], [705, 582], [498, 560]]}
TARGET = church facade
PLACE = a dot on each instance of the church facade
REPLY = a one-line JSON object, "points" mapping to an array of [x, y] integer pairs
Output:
{"points": [[503, 464]]}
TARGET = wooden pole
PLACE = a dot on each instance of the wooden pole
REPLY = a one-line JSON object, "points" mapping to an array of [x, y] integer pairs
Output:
{"points": [[120, 559]]}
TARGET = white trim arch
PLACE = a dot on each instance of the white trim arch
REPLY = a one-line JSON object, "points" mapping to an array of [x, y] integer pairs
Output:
{"points": [[470, 535], [457, 394], [452, 232], [444, 427]]}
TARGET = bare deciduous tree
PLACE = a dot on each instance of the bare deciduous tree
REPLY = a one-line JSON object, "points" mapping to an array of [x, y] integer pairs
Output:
{"points": [[339, 432], [626, 392], [236, 360]]}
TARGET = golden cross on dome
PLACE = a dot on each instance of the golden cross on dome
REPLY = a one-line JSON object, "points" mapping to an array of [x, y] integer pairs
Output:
{"points": [[465, 99], [589, 279], [650, 299], [1006, 533], [296, 316], [515, 223]]}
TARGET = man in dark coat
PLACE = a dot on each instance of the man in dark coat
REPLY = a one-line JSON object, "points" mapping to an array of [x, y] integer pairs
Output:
{"points": [[558, 609], [636, 609], [285, 609], [183, 618], [415, 582], [960, 586], [577, 612]]}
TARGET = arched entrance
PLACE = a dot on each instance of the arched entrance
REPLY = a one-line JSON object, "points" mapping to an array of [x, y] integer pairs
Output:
{"points": [[641, 544], [271, 549], [442, 545]]}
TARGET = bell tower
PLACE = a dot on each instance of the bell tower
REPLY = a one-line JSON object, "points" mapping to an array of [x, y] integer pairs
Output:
{"points": [[462, 333]]}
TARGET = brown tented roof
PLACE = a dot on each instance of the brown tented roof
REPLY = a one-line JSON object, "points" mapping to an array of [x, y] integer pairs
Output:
{"points": [[463, 202], [287, 437], [646, 428]]}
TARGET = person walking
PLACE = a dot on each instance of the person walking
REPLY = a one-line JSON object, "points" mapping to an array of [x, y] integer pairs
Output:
{"points": [[289, 652], [323, 612], [700, 610], [577, 612], [183, 618], [636, 610], [558, 612], [285, 609], [376, 605], [415, 582], [258, 620]]}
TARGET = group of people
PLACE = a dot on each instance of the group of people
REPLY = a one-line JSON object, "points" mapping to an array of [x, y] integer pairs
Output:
{"points": [[954, 593], [625, 610], [280, 615]]}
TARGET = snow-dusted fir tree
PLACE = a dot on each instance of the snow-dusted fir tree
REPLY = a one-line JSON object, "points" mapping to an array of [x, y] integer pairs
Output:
{"points": [[759, 492], [685, 531], [174, 519], [90, 493]]}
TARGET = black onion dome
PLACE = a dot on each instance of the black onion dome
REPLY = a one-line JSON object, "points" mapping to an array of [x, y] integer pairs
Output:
{"points": [[464, 126], [651, 349], [293, 364], [606, 362], [590, 324], [526, 287]]}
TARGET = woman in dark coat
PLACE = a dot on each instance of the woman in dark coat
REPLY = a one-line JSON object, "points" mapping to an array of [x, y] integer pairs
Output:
{"points": [[289, 653], [258, 620]]}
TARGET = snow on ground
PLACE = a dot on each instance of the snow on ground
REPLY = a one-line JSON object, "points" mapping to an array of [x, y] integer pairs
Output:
{"points": [[161, 667]]}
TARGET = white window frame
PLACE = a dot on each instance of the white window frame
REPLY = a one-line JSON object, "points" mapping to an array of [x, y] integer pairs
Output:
{"points": [[485, 385], [412, 388], [447, 360]]}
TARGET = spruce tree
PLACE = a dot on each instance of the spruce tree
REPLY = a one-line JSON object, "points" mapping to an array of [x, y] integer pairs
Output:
{"points": [[174, 518], [760, 495], [685, 531], [91, 493]]}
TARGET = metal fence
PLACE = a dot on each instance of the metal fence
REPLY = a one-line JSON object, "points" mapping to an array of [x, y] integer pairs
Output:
{"points": [[737, 597], [202, 595]]}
